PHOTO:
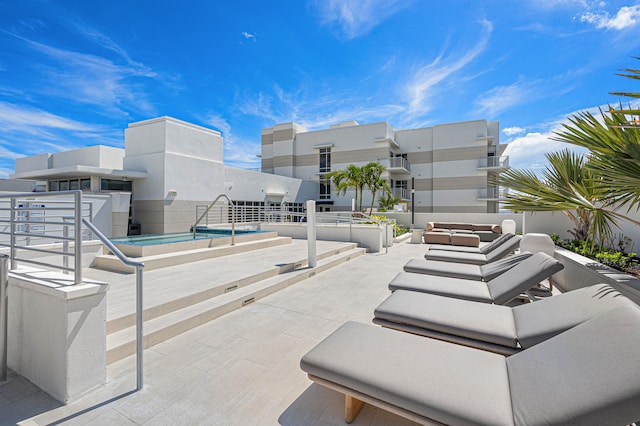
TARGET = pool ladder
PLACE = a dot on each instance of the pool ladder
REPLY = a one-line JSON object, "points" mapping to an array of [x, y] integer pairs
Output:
{"points": [[233, 217]]}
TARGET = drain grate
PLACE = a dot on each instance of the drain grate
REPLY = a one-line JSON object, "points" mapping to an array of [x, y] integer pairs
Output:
{"points": [[249, 300], [228, 289]]}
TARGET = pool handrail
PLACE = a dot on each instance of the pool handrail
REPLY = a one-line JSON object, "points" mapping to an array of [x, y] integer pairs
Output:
{"points": [[139, 305], [233, 217]]}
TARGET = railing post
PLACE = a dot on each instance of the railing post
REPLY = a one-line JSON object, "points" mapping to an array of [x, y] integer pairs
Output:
{"points": [[12, 226], [78, 237], [139, 329], [65, 246], [4, 317]]}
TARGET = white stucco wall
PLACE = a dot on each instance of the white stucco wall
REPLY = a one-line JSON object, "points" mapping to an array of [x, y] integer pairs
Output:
{"points": [[247, 185]]}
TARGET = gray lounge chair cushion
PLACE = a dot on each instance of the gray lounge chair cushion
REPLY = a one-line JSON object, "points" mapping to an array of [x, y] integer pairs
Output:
{"points": [[499, 290], [522, 277], [476, 321], [449, 383], [475, 258], [587, 375], [484, 249], [465, 271], [536, 322], [484, 326], [443, 286]]}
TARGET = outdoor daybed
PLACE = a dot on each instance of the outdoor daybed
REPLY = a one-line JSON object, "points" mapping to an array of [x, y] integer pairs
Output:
{"points": [[495, 328], [586, 375], [508, 247], [500, 290], [463, 270]]}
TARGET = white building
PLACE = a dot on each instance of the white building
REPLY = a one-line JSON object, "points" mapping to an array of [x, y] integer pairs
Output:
{"points": [[448, 166], [170, 167]]}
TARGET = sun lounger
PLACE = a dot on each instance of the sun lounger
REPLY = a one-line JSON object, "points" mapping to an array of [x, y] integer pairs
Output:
{"points": [[495, 328], [484, 249], [499, 290], [463, 270], [586, 375], [502, 250]]}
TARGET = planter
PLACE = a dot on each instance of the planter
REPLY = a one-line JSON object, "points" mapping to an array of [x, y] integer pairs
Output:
{"points": [[580, 271]]}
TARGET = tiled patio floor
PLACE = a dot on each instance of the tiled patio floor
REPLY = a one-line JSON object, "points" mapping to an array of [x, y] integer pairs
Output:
{"points": [[240, 369]]}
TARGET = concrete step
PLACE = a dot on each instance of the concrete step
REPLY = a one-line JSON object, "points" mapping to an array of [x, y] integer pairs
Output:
{"points": [[110, 262], [121, 343]]}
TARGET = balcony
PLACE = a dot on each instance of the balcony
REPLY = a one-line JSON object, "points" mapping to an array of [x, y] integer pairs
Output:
{"points": [[493, 194], [403, 193], [396, 165], [494, 163]]}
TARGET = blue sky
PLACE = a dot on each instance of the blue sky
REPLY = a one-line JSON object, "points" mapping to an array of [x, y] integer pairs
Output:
{"points": [[75, 73]]}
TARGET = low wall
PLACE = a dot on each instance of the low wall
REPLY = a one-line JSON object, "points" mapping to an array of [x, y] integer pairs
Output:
{"points": [[421, 219], [580, 271], [370, 237]]}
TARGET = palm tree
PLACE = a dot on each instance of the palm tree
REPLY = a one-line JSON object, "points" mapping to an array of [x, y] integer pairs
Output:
{"points": [[372, 173], [387, 200], [614, 153], [633, 74], [345, 179], [567, 185]]}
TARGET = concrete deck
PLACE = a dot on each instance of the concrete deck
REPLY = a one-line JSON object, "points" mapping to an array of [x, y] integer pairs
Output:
{"points": [[239, 369]]}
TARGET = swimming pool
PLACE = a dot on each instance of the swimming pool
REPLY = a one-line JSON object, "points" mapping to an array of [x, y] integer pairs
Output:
{"points": [[152, 244]]}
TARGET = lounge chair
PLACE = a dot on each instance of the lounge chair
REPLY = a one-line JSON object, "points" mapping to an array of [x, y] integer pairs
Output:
{"points": [[495, 328], [502, 250], [586, 375], [499, 290], [484, 249], [466, 271]]}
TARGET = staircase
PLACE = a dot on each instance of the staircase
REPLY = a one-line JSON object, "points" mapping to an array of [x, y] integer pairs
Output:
{"points": [[248, 277]]}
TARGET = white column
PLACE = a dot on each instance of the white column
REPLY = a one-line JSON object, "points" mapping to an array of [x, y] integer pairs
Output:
{"points": [[311, 233]]}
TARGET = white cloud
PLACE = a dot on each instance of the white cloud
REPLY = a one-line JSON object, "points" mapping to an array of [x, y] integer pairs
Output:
{"points": [[627, 16], [510, 131], [18, 117], [357, 17], [502, 98], [249, 36], [421, 88]]}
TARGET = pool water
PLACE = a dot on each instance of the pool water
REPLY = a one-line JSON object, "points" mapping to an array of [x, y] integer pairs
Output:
{"points": [[201, 234]]}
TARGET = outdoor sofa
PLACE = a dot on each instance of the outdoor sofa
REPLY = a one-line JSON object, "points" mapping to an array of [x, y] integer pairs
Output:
{"points": [[586, 375], [486, 232], [499, 290], [495, 328]]}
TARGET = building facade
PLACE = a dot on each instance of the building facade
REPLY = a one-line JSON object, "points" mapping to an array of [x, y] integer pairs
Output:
{"points": [[444, 168]]}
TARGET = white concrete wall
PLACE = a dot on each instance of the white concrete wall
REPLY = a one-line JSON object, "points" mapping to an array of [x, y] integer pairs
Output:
{"points": [[367, 236], [247, 185], [95, 156], [57, 333], [34, 162]]}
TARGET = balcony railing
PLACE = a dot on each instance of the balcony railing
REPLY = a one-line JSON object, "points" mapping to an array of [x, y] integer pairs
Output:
{"points": [[493, 193], [494, 162], [403, 193], [395, 163]]}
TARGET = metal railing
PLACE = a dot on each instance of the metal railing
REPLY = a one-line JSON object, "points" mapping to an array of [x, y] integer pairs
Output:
{"points": [[395, 163], [33, 222], [494, 193], [4, 317], [403, 193], [491, 162], [204, 215], [139, 266]]}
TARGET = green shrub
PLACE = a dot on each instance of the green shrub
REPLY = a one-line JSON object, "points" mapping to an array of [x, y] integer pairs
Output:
{"points": [[608, 256]]}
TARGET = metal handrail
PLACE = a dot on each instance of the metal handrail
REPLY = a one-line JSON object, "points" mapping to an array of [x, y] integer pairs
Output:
{"points": [[139, 305], [233, 217], [4, 317], [15, 221]]}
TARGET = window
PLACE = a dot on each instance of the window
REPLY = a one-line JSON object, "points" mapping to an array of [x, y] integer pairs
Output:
{"points": [[115, 185], [74, 185], [325, 160], [53, 185], [325, 188], [85, 184], [64, 185]]}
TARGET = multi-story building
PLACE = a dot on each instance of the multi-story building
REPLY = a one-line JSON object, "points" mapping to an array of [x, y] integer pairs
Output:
{"points": [[444, 168]]}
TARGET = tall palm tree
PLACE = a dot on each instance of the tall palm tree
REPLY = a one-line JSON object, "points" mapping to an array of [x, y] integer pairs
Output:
{"points": [[372, 173], [345, 179], [635, 75], [569, 186]]}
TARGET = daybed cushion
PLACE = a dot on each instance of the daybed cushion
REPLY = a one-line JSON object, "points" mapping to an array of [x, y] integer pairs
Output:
{"points": [[586, 375], [475, 258], [450, 383], [484, 249], [465, 271], [536, 322], [477, 321], [444, 286]]}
